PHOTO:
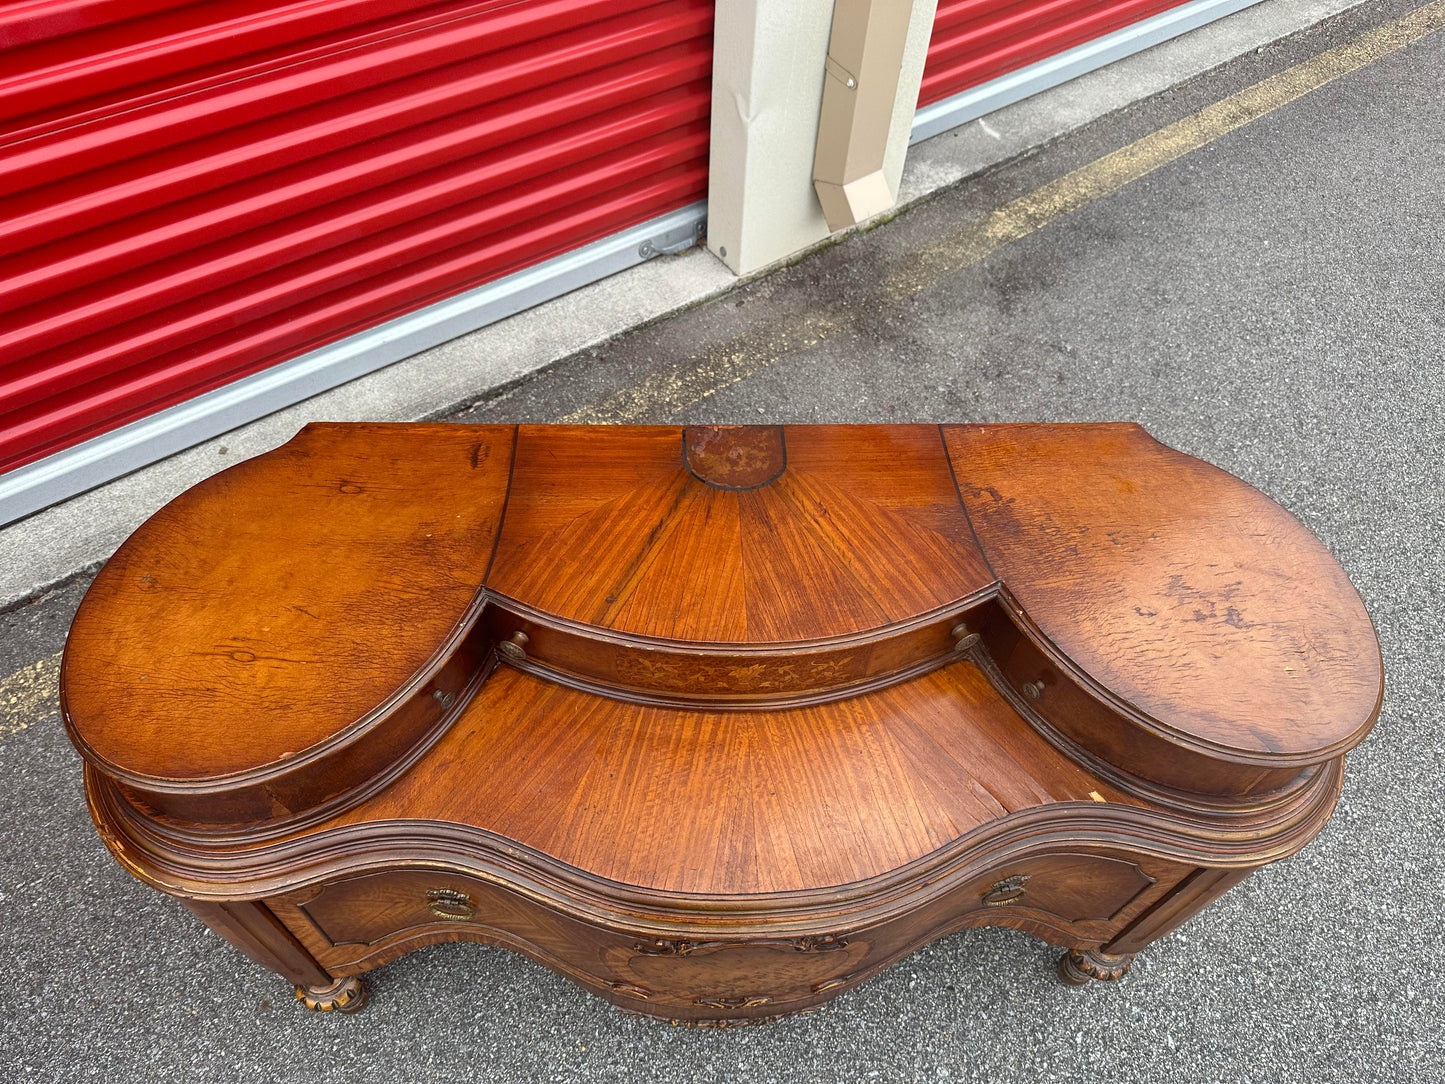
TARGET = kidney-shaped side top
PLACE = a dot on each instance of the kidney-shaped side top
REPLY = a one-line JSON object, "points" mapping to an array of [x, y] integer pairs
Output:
{"points": [[278, 604], [1191, 597]]}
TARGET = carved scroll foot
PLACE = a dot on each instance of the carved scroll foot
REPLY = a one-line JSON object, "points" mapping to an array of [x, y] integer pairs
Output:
{"points": [[344, 995], [1077, 967]]}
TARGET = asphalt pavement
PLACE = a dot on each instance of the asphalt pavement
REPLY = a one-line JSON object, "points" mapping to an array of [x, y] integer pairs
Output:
{"points": [[1272, 301]]}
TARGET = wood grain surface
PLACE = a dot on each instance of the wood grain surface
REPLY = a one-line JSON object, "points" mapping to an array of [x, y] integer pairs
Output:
{"points": [[302, 598], [607, 526], [715, 721], [279, 602], [1184, 592], [739, 802]]}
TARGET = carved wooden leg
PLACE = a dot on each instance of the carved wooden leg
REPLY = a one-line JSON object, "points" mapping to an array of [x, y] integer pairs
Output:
{"points": [[252, 928], [1077, 967], [344, 995]]}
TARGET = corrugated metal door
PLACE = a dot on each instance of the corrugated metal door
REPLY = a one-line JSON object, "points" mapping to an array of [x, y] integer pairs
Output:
{"points": [[978, 40], [192, 192]]}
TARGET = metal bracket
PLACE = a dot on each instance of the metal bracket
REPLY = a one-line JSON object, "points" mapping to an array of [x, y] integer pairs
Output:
{"points": [[860, 89], [678, 239]]}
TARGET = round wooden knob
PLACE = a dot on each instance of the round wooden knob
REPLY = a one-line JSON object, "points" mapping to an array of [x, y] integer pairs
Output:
{"points": [[963, 639]]}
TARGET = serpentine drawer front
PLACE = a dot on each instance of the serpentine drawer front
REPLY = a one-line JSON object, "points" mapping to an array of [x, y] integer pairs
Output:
{"points": [[715, 721], [380, 910]]}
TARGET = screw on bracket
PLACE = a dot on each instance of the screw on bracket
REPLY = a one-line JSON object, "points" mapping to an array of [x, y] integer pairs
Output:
{"points": [[678, 239]]}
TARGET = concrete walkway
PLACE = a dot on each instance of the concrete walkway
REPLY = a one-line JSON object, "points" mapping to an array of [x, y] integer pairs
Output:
{"points": [[1271, 297]]}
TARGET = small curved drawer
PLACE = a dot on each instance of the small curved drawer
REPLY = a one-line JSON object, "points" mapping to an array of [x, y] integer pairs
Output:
{"points": [[371, 908], [1058, 699], [726, 675], [1074, 887]]}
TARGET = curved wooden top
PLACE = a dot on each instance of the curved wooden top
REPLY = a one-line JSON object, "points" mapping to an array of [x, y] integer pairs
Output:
{"points": [[608, 526], [279, 613], [723, 803], [282, 602], [1185, 593]]}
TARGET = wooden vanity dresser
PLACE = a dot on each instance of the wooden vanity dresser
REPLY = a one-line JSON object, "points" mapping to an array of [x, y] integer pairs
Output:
{"points": [[715, 721]]}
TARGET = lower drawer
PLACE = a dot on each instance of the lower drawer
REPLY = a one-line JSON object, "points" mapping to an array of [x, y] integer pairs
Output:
{"points": [[353, 924], [364, 911], [368, 918], [360, 922]]}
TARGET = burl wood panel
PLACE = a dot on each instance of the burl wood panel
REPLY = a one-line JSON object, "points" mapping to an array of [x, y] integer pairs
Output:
{"points": [[1184, 592], [735, 456], [279, 602]]}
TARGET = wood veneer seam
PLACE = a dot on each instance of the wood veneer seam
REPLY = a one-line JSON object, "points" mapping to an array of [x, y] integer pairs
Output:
{"points": [[502, 515], [963, 505]]}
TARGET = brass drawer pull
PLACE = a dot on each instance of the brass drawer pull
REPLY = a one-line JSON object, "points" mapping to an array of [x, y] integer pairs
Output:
{"points": [[1009, 890], [451, 904]]}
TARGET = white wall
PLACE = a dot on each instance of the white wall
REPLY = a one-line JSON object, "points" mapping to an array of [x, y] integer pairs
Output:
{"points": [[766, 94]]}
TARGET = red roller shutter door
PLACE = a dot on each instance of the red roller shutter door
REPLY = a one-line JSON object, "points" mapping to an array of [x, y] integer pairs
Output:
{"points": [[978, 40], [192, 193]]}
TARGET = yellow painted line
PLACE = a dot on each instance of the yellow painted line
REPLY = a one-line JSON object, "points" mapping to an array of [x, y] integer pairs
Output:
{"points": [[1104, 176], [691, 380], [30, 695]]}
